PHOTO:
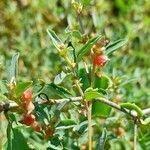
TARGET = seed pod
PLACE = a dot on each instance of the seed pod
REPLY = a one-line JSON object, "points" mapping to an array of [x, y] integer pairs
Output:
{"points": [[35, 125], [100, 60], [27, 95], [28, 119]]}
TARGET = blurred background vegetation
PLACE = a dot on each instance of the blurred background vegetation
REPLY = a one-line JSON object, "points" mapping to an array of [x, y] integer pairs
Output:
{"points": [[23, 25]]}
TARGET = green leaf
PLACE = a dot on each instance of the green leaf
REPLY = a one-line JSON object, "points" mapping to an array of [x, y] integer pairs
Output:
{"points": [[102, 82], [115, 45], [66, 124], [12, 72], [91, 94], [9, 137], [132, 106], [100, 109], [82, 127], [56, 91], [42, 113], [54, 147], [59, 78], [87, 47], [76, 34], [3, 87], [19, 141], [56, 41], [21, 87], [86, 2], [84, 78], [102, 140], [60, 89]]}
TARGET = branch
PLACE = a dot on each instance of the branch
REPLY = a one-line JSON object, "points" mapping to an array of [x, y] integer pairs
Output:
{"points": [[11, 104], [4, 106], [118, 107], [135, 135]]}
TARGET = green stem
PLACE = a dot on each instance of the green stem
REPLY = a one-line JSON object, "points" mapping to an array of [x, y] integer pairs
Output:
{"points": [[89, 114], [71, 64], [135, 135], [79, 88], [9, 128], [93, 74]]}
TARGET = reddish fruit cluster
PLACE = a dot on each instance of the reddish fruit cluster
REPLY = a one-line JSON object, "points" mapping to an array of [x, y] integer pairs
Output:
{"points": [[27, 95], [100, 60], [30, 120], [26, 98], [28, 117]]}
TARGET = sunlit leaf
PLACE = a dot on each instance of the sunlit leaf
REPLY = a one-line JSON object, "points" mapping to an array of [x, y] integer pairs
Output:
{"points": [[100, 110], [87, 47], [66, 124], [21, 87], [12, 72], [54, 90], [102, 82], [56, 41], [115, 46], [91, 94]]}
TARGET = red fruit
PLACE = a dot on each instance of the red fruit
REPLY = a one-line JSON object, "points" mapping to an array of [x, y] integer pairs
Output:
{"points": [[29, 107], [27, 95], [26, 98], [100, 60], [36, 126], [28, 119]]}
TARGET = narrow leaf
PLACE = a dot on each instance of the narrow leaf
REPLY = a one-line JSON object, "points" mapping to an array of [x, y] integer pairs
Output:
{"points": [[56, 41], [87, 47], [115, 45], [12, 73], [102, 140], [84, 78], [58, 90], [67, 122]]}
